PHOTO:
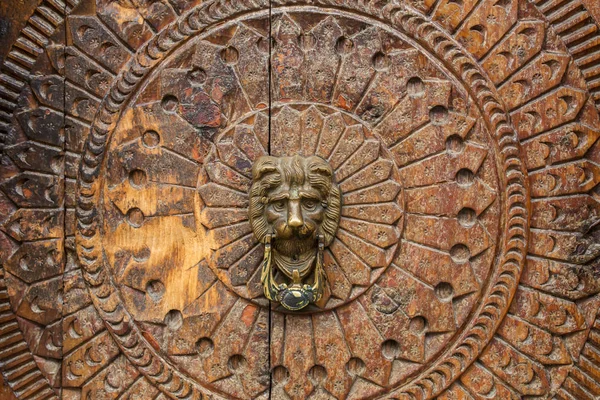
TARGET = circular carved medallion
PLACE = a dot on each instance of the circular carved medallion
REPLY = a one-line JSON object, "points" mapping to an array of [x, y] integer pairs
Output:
{"points": [[409, 148]]}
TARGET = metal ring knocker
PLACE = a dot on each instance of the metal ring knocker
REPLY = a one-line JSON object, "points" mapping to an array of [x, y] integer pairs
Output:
{"points": [[295, 296]]}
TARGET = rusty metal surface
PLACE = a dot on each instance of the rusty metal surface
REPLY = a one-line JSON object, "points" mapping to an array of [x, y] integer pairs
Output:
{"points": [[463, 138]]}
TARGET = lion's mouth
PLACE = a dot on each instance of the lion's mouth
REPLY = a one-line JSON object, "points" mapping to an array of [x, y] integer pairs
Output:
{"points": [[294, 246]]}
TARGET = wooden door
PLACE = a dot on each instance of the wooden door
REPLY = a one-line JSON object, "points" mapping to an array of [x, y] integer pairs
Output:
{"points": [[325, 199]]}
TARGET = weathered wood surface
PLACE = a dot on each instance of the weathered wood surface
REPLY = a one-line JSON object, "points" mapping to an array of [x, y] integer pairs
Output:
{"points": [[463, 137]]}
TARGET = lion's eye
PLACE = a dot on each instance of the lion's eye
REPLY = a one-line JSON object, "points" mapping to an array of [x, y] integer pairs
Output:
{"points": [[309, 204], [278, 205]]}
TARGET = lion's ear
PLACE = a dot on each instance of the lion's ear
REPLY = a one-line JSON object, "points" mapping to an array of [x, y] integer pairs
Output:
{"points": [[323, 170], [319, 166], [264, 165]]}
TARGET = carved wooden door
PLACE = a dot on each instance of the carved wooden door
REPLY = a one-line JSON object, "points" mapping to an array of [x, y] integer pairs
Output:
{"points": [[325, 199]]}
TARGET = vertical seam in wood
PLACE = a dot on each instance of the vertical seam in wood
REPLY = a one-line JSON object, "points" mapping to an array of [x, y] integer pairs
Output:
{"points": [[269, 84], [64, 196]]}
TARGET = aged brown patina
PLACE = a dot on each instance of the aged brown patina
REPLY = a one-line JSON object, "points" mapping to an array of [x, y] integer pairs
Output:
{"points": [[433, 165]]}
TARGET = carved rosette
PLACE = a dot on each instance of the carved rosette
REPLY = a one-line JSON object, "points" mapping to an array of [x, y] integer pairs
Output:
{"points": [[371, 220], [462, 137]]}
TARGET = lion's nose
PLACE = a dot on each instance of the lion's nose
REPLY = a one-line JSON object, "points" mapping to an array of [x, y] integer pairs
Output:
{"points": [[294, 214]]}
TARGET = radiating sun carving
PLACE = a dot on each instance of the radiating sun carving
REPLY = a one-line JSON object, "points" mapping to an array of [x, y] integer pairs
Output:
{"points": [[413, 160]]}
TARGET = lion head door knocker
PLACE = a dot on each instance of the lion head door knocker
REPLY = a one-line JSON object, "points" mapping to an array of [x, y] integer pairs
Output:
{"points": [[295, 211]]}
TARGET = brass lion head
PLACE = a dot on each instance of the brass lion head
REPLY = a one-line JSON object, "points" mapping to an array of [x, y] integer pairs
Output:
{"points": [[294, 209]]}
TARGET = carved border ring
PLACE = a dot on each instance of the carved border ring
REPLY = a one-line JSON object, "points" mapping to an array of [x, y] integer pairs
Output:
{"points": [[503, 284]]}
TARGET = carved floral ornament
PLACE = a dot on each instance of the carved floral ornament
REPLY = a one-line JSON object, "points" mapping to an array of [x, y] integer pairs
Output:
{"points": [[325, 199]]}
